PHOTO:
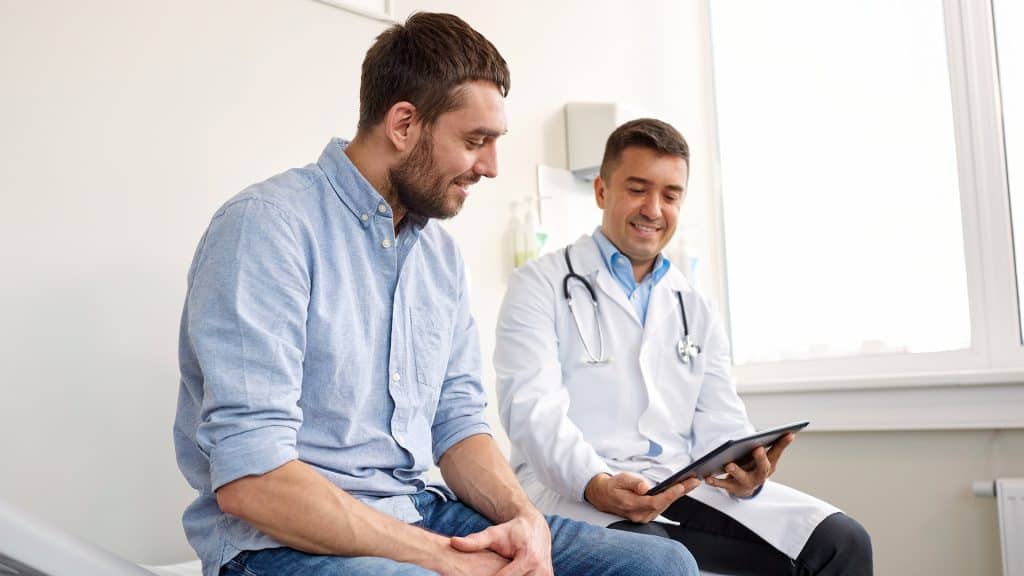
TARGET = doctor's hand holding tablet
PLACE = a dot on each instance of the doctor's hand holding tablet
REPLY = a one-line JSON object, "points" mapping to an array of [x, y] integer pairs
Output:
{"points": [[743, 481], [738, 466], [625, 495]]}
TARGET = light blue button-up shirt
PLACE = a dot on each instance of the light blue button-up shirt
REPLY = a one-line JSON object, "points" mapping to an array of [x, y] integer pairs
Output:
{"points": [[622, 270], [311, 332]]}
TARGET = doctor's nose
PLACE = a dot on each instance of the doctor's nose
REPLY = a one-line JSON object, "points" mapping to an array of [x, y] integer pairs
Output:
{"points": [[651, 206]]}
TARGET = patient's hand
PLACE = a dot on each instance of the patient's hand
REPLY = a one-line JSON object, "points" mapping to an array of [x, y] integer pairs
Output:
{"points": [[525, 541], [743, 483], [625, 495], [480, 563]]}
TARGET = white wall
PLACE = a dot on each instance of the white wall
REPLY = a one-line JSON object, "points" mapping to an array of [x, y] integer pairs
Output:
{"points": [[125, 123], [912, 491]]}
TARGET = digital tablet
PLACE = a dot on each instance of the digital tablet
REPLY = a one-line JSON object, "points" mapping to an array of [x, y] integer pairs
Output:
{"points": [[738, 451]]}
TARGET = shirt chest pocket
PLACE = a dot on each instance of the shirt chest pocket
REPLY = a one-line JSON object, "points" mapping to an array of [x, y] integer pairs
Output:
{"points": [[431, 345]]}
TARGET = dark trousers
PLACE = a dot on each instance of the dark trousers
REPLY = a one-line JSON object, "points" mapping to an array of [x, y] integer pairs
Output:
{"points": [[839, 545]]}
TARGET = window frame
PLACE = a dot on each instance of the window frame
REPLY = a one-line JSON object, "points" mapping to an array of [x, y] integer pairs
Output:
{"points": [[992, 369], [381, 10]]}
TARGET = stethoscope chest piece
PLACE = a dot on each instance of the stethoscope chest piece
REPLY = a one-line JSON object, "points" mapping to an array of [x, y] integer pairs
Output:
{"points": [[687, 350]]}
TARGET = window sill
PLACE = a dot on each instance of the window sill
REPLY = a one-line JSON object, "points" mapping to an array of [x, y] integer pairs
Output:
{"points": [[885, 381], [962, 400]]}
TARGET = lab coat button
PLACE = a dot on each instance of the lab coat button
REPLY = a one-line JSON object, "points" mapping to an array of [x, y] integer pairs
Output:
{"points": [[396, 376]]}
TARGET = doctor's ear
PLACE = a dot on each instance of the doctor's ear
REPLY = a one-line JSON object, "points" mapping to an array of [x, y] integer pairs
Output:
{"points": [[402, 126], [599, 192]]}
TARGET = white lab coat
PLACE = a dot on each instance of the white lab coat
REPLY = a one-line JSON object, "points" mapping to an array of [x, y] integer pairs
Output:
{"points": [[643, 412]]}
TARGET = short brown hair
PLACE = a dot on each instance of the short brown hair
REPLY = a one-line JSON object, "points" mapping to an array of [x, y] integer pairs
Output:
{"points": [[424, 62], [645, 133]]}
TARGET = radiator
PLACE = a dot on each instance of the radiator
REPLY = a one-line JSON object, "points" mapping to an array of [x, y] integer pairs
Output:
{"points": [[1010, 495]]}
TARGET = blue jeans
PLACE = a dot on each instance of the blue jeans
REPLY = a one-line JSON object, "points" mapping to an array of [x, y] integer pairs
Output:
{"points": [[576, 548]]}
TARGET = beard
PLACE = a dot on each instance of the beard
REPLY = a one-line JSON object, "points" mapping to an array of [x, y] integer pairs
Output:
{"points": [[420, 188]]}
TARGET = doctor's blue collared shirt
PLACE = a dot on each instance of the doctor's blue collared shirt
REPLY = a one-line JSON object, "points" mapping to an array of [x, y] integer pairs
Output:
{"points": [[311, 332], [622, 270]]}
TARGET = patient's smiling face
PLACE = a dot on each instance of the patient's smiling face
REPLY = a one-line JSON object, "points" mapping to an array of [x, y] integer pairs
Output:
{"points": [[641, 201], [452, 154]]}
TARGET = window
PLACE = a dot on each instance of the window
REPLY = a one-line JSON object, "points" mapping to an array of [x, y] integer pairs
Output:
{"points": [[864, 192], [839, 180], [1009, 16]]}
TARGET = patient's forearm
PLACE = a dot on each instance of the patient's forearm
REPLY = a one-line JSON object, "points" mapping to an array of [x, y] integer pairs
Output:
{"points": [[300, 508], [478, 473]]}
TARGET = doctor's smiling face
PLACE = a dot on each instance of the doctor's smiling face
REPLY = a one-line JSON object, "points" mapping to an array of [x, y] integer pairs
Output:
{"points": [[641, 195]]}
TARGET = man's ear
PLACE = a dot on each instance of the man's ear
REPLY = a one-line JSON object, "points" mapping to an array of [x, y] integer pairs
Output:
{"points": [[599, 192], [402, 126]]}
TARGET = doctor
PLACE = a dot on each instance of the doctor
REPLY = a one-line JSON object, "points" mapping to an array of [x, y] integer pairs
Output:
{"points": [[613, 372]]}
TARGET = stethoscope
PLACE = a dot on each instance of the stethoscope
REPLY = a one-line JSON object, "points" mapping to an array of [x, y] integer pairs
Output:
{"points": [[686, 349]]}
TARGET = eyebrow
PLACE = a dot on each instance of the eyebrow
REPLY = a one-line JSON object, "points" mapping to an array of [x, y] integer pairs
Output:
{"points": [[644, 181], [487, 133]]}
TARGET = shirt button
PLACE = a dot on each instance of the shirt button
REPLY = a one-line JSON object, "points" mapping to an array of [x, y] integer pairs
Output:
{"points": [[382, 208], [364, 217], [386, 243], [396, 376]]}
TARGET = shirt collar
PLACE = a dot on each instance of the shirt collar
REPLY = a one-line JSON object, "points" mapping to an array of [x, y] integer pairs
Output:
{"points": [[355, 191], [620, 266]]}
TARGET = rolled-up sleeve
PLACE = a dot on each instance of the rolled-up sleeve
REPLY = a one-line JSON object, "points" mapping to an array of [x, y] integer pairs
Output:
{"points": [[247, 303], [460, 410]]}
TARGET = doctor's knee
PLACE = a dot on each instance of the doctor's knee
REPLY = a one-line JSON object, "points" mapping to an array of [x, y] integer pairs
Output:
{"points": [[839, 541]]}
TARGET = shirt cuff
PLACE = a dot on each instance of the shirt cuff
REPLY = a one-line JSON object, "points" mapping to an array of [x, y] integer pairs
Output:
{"points": [[456, 431], [251, 453]]}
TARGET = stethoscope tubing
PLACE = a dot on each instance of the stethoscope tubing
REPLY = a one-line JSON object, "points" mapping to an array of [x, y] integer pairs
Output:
{"points": [[599, 358], [686, 348]]}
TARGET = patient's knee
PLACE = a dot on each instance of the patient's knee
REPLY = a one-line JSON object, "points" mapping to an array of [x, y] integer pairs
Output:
{"points": [[667, 556]]}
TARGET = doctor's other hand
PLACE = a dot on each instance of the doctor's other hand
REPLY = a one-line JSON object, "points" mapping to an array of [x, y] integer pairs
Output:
{"points": [[744, 483], [624, 494]]}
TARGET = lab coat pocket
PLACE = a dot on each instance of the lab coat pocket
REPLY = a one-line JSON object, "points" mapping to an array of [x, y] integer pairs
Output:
{"points": [[432, 339]]}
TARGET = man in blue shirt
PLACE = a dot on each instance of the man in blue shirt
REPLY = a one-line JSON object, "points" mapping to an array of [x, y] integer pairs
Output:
{"points": [[328, 356]]}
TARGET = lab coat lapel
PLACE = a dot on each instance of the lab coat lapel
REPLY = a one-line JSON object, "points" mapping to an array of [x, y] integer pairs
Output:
{"points": [[663, 307], [658, 328], [587, 257], [614, 292]]}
